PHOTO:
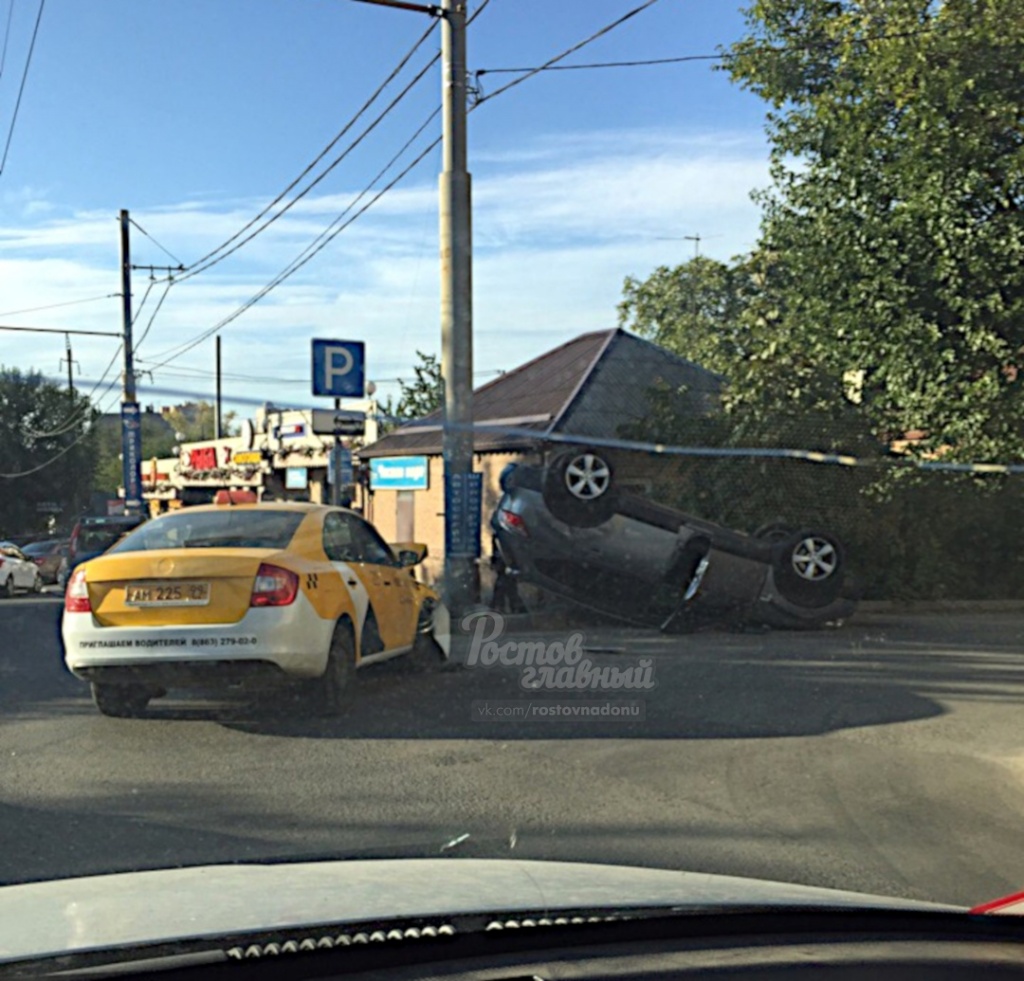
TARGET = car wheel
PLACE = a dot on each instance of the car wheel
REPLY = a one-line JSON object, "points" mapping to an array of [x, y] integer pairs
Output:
{"points": [[120, 701], [809, 568], [426, 653], [37, 584], [335, 684], [579, 488], [8, 588]]}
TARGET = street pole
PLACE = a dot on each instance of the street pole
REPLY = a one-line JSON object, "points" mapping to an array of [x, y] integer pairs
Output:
{"points": [[336, 460], [71, 377], [217, 408], [456, 294], [131, 440]]}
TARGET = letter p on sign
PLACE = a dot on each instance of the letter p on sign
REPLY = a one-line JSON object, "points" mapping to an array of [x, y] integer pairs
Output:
{"points": [[338, 369]]}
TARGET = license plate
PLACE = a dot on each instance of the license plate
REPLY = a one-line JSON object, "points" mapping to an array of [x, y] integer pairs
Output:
{"points": [[167, 594]]}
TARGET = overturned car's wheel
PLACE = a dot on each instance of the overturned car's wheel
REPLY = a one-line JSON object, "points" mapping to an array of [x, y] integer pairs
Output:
{"points": [[809, 568], [579, 488]]}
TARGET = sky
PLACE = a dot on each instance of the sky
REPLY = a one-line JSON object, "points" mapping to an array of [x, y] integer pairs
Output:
{"points": [[196, 114]]}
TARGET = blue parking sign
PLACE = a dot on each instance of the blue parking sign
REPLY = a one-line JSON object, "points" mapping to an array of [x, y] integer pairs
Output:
{"points": [[339, 368]]}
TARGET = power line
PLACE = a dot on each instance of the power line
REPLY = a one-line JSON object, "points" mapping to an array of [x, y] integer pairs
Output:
{"points": [[155, 242], [317, 245], [152, 316], [67, 449], [576, 47], [601, 64], [54, 306], [78, 415], [681, 59], [21, 88], [193, 270], [7, 36]]}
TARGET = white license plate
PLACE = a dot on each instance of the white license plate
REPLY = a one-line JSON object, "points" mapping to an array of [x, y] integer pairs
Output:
{"points": [[167, 594]]}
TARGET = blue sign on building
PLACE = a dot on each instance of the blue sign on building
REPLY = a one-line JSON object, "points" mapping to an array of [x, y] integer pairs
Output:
{"points": [[131, 451], [399, 473], [463, 495], [339, 368]]}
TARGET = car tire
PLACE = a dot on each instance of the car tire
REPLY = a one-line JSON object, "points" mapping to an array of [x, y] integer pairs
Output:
{"points": [[426, 654], [334, 687], [579, 488], [809, 567], [37, 583], [8, 589], [120, 701]]}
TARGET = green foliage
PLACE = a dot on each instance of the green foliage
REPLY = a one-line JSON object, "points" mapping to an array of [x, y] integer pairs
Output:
{"points": [[419, 397], [158, 440], [195, 422], [48, 451], [894, 221]]}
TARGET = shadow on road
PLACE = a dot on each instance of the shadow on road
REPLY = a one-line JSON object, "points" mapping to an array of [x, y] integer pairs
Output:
{"points": [[706, 686]]}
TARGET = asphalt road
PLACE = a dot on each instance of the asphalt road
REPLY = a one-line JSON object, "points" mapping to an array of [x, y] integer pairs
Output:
{"points": [[887, 757]]}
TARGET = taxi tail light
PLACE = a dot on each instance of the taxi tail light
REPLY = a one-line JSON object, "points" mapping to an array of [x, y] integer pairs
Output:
{"points": [[76, 597], [274, 586]]}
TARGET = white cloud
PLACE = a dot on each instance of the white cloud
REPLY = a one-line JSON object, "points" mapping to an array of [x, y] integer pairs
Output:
{"points": [[558, 224]]}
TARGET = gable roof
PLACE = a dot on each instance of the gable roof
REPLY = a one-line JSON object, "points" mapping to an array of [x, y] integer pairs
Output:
{"points": [[587, 386]]}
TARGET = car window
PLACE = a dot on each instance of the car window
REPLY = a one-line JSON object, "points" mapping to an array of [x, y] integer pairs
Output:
{"points": [[348, 538], [229, 528]]}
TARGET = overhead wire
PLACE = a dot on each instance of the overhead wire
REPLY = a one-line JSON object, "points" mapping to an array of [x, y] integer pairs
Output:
{"points": [[204, 262], [152, 317], [314, 247], [77, 416], [62, 452], [162, 248], [54, 306], [21, 88], [7, 36], [565, 54]]}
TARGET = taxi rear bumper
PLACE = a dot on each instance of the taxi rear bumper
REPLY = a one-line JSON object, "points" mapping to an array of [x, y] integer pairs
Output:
{"points": [[268, 645]]}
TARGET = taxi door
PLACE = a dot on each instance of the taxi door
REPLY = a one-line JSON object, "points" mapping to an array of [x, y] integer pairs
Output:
{"points": [[356, 549]]}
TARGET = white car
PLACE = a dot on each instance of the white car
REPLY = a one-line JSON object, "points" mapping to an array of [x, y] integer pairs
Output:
{"points": [[17, 571]]}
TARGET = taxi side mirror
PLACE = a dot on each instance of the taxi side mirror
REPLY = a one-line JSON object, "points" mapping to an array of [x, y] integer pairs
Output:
{"points": [[410, 554]]}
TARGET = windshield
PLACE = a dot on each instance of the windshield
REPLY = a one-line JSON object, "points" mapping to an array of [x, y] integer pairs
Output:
{"points": [[218, 529], [633, 475]]}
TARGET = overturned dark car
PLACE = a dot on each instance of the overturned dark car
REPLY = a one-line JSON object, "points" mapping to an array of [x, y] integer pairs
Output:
{"points": [[567, 528]]}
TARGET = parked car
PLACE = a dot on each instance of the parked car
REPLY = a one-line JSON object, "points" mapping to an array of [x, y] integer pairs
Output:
{"points": [[256, 595], [568, 528], [50, 557], [92, 536], [17, 571]]}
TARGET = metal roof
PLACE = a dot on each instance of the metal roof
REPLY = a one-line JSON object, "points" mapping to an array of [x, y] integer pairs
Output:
{"points": [[590, 385]]}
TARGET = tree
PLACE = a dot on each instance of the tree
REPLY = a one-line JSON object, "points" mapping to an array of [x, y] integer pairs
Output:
{"points": [[195, 421], [418, 398], [48, 442], [693, 309], [893, 226], [158, 440]]}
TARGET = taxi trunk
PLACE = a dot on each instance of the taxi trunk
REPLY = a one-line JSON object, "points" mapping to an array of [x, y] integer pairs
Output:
{"points": [[174, 587]]}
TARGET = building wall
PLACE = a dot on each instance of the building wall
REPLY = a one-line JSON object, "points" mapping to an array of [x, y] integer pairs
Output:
{"points": [[428, 509]]}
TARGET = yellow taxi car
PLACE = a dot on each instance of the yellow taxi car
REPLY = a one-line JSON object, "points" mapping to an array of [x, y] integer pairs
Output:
{"points": [[250, 595]]}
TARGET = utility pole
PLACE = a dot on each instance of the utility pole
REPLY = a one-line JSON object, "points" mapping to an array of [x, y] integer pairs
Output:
{"points": [[131, 423], [696, 244], [67, 357], [456, 307], [217, 405]]}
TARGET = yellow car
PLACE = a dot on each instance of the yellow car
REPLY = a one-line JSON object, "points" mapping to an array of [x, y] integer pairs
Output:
{"points": [[251, 595]]}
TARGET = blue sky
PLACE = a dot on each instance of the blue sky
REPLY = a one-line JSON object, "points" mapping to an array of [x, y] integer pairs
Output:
{"points": [[195, 114]]}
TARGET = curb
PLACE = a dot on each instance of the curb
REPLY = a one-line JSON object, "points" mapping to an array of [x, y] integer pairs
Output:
{"points": [[940, 606]]}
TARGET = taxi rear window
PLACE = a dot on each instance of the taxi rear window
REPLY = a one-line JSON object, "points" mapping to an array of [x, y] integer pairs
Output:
{"points": [[220, 529]]}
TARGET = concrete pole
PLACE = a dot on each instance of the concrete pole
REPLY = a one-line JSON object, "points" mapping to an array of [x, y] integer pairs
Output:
{"points": [[131, 438], [456, 288]]}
